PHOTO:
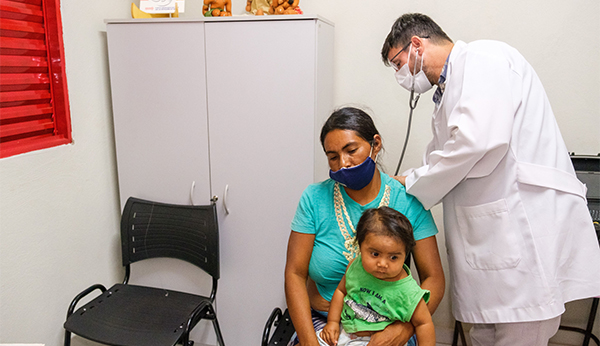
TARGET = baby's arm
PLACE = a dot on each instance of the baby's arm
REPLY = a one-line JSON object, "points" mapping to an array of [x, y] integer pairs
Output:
{"points": [[331, 331], [423, 323]]}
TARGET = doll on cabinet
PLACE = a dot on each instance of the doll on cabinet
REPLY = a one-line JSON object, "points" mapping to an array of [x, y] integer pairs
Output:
{"points": [[284, 7], [261, 7], [216, 8], [258, 7]]}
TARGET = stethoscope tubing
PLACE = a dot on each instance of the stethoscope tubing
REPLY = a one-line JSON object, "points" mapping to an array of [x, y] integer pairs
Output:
{"points": [[412, 104]]}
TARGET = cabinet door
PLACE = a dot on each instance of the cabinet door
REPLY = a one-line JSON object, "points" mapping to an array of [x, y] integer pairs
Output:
{"points": [[159, 107], [261, 106]]}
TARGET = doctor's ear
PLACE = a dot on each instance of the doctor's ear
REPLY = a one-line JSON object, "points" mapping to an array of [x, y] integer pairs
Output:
{"points": [[417, 43]]}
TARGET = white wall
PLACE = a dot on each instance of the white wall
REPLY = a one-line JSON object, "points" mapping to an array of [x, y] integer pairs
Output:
{"points": [[59, 211], [59, 207]]}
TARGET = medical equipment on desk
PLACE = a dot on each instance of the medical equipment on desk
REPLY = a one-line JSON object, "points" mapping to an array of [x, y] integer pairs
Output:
{"points": [[587, 168]]}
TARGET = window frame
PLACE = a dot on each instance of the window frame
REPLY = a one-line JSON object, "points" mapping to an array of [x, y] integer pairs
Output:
{"points": [[55, 77]]}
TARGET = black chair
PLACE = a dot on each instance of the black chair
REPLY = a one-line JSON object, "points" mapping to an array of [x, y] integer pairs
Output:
{"points": [[283, 332], [138, 315]]}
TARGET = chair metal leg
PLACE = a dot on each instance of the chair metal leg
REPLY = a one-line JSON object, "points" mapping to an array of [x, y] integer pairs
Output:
{"points": [[458, 331], [185, 339], [590, 324], [67, 338], [210, 314], [462, 335], [218, 332]]}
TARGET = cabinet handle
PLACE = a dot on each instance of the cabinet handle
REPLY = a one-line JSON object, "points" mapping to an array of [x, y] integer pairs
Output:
{"points": [[192, 192], [225, 199]]}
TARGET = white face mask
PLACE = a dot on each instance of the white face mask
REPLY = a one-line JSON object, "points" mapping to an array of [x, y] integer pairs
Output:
{"points": [[415, 81]]}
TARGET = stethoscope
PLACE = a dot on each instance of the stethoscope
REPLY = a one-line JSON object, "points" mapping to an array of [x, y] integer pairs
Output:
{"points": [[412, 104]]}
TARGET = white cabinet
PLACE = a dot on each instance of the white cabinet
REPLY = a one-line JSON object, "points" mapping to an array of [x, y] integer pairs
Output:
{"points": [[230, 108]]}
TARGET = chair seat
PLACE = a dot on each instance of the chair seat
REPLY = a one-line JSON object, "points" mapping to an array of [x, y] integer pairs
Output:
{"points": [[129, 315]]}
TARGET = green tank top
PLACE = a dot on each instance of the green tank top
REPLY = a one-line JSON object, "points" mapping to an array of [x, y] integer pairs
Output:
{"points": [[372, 304]]}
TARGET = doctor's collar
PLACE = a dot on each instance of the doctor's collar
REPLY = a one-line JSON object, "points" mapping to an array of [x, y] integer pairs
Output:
{"points": [[439, 92]]}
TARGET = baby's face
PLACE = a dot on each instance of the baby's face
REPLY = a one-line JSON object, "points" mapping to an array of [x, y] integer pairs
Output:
{"points": [[383, 257]]}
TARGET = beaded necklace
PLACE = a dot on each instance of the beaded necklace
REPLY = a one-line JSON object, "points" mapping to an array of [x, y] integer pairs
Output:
{"points": [[340, 206]]}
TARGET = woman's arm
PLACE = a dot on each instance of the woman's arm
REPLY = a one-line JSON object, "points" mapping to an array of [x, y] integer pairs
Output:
{"points": [[299, 250], [396, 334], [429, 268]]}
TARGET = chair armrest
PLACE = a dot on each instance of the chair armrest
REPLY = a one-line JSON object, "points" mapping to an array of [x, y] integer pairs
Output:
{"points": [[83, 294], [273, 321], [194, 319], [194, 315]]}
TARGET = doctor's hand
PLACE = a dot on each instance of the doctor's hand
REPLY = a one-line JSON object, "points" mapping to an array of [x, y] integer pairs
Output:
{"points": [[401, 179], [396, 334]]}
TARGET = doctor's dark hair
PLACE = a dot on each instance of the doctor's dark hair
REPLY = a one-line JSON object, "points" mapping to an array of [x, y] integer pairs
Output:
{"points": [[350, 118], [386, 221], [407, 26]]}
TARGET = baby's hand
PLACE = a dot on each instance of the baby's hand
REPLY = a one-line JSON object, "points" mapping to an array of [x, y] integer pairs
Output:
{"points": [[331, 333]]}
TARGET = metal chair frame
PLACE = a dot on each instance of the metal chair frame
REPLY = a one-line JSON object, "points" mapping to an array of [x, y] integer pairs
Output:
{"points": [[587, 332], [152, 230]]}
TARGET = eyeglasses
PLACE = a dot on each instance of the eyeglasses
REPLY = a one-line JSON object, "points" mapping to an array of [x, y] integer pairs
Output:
{"points": [[391, 61]]}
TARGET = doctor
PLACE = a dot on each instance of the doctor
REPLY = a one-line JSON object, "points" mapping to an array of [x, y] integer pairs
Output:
{"points": [[519, 235]]}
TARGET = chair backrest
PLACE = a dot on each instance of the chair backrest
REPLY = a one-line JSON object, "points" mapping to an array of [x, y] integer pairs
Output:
{"points": [[186, 232]]}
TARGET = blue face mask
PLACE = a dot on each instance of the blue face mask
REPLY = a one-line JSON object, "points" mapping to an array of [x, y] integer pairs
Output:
{"points": [[357, 177]]}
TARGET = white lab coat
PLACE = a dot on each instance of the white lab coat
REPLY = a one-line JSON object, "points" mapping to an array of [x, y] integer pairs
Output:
{"points": [[519, 235]]}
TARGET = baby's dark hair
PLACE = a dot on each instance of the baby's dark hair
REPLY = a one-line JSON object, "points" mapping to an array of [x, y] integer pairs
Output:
{"points": [[386, 221]]}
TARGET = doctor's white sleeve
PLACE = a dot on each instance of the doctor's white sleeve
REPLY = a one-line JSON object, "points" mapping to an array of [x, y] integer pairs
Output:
{"points": [[478, 128]]}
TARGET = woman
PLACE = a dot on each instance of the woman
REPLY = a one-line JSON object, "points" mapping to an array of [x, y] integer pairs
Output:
{"points": [[322, 239]]}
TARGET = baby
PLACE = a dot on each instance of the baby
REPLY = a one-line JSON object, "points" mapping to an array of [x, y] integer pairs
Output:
{"points": [[378, 288]]}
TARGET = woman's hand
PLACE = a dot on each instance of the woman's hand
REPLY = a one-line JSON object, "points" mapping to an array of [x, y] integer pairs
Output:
{"points": [[396, 334]]}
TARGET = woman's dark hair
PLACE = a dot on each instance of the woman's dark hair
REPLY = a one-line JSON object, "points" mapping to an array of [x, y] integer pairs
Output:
{"points": [[409, 25], [386, 221], [350, 118]]}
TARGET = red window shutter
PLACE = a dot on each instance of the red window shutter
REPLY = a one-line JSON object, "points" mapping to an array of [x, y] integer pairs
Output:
{"points": [[34, 104]]}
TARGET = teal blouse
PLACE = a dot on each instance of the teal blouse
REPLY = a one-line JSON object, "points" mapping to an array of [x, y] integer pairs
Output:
{"points": [[316, 215]]}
